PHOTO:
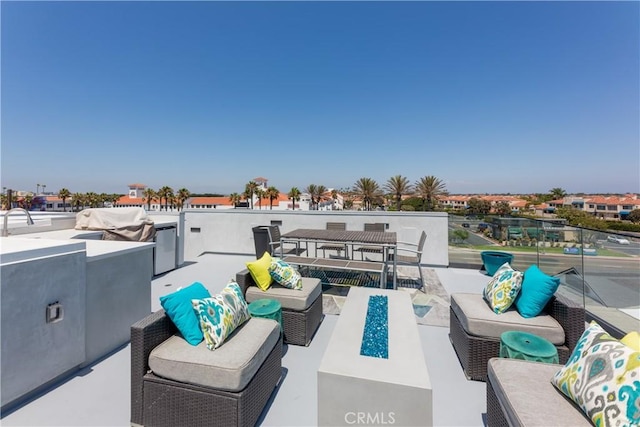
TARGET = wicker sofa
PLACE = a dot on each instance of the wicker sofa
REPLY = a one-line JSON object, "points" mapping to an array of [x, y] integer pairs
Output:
{"points": [[520, 393], [301, 310], [162, 400], [468, 313]]}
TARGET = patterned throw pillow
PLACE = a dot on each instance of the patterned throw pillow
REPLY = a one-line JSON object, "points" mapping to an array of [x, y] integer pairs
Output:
{"points": [[284, 274], [221, 314], [503, 288], [259, 270], [602, 377]]}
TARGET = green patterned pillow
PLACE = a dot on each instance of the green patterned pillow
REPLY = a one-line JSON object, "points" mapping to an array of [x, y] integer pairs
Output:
{"points": [[503, 288], [602, 377], [285, 274], [221, 314]]}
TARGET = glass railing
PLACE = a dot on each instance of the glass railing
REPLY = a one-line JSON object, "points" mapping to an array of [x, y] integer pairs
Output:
{"points": [[600, 270]]}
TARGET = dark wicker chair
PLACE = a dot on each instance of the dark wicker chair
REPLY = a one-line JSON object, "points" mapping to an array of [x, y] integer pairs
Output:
{"points": [[157, 401], [298, 326], [474, 352]]}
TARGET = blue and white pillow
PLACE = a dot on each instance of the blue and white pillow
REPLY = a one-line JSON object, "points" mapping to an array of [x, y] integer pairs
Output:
{"points": [[602, 376], [503, 288], [221, 314], [285, 274]]}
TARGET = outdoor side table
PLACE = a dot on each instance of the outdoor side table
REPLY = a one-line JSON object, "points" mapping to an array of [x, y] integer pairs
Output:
{"points": [[526, 346], [267, 308]]}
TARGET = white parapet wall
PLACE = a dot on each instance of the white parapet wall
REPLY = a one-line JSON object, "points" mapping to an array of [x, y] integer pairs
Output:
{"points": [[230, 231]]}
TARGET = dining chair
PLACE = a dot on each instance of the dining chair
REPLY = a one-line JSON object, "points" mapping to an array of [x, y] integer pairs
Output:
{"points": [[371, 249], [340, 226], [411, 255], [275, 243]]}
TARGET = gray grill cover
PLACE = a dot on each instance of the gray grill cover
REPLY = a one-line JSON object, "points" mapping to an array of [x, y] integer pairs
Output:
{"points": [[130, 224]]}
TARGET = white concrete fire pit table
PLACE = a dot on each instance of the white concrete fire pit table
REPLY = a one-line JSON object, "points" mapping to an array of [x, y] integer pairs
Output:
{"points": [[363, 390]]}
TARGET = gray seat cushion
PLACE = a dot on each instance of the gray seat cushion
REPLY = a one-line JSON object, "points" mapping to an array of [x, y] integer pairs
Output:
{"points": [[478, 319], [229, 367], [527, 396], [291, 299]]}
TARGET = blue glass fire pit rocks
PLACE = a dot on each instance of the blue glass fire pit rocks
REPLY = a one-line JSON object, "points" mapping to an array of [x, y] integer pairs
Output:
{"points": [[375, 337]]}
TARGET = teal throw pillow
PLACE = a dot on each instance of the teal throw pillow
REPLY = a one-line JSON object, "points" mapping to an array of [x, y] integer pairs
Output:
{"points": [[178, 307], [285, 274], [537, 290]]}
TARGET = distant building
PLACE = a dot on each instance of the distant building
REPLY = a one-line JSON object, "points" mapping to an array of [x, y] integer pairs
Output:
{"points": [[208, 203], [135, 198]]}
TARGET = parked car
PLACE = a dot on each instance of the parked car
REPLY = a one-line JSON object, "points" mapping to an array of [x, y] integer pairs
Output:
{"points": [[619, 240], [482, 226]]}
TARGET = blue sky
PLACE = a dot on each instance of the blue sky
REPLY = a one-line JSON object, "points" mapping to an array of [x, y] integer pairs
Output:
{"points": [[492, 97]]}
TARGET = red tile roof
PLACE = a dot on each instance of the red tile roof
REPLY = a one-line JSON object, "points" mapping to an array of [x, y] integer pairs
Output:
{"points": [[224, 201]]}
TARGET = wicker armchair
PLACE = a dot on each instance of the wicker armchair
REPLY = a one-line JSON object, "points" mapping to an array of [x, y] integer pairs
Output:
{"points": [[474, 352], [298, 326], [157, 401]]}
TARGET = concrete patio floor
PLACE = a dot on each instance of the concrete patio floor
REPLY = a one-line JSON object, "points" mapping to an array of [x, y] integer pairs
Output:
{"points": [[99, 395]]}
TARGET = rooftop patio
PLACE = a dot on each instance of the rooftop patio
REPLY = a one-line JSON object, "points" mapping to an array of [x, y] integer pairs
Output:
{"points": [[99, 394]]}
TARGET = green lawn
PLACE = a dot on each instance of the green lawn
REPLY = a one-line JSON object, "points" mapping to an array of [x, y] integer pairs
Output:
{"points": [[533, 249]]}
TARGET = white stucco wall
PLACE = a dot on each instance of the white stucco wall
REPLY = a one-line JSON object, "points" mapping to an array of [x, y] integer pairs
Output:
{"points": [[231, 231]]}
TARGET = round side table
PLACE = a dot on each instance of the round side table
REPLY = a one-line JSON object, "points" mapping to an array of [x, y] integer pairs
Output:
{"points": [[268, 309], [526, 346]]}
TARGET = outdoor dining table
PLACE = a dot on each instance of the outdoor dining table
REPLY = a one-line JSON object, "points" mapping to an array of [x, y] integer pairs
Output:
{"points": [[386, 239]]}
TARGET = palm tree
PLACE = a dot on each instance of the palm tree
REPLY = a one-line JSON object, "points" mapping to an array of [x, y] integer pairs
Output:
{"points": [[183, 195], [161, 193], [334, 196], [294, 195], [398, 186], [320, 190], [165, 193], [557, 193], [259, 192], [272, 193], [429, 188], [147, 196], [90, 199], [102, 199], [312, 189], [27, 200], [368, 189], [78, 201], [64, 194], [235, 198], [249, 191]]}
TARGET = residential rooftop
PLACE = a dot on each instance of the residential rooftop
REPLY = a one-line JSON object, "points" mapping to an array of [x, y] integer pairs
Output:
{"points": [[217, 245]]}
